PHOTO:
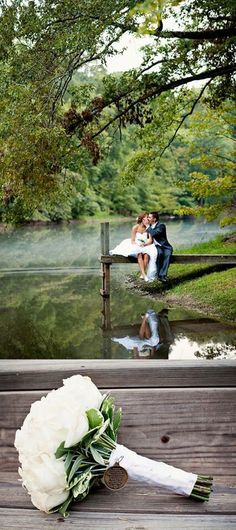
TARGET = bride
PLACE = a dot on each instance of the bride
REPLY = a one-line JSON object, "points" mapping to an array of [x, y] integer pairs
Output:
{"points": [[141, 246]]}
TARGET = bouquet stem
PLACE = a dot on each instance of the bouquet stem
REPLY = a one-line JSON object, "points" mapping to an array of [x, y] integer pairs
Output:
{"points": [[202, 488], [162, 475]]}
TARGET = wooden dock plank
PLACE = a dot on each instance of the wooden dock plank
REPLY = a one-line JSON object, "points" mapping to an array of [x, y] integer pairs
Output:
{"points": [[229, 259], [46, 374], [31, 519], [147, 499], [141, 497], [200, 425]]}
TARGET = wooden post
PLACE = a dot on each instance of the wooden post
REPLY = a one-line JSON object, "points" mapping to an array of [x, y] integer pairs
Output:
{"points": [[105, 238], [105, 270], [106, 347]]}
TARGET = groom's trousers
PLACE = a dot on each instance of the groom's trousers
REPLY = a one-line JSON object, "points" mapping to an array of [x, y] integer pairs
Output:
{"points": [[163, 260]]}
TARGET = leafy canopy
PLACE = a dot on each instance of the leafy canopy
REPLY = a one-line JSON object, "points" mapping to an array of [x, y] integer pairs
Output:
{"points": [[47, 125]]}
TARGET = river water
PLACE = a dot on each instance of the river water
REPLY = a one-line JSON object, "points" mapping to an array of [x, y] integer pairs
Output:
{"points": [[51, 307]]}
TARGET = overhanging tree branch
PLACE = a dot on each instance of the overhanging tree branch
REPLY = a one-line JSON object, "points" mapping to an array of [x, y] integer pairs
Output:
{"points": [[155, 91], [184, 117], [205, 34]]}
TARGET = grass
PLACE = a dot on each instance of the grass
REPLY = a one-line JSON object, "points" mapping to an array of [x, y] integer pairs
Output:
{"points": [[207, 287], [214, 293], [219, 245]]}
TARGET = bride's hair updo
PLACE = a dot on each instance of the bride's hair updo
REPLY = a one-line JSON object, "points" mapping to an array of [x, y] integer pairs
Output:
{"points": [[141, 217]]}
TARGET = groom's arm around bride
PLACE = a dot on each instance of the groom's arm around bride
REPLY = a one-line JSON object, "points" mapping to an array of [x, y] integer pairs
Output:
{"points": [[164, 249]]}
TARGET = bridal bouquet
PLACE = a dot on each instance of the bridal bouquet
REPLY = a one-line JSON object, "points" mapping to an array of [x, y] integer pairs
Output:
{"points": [[67, 444]]}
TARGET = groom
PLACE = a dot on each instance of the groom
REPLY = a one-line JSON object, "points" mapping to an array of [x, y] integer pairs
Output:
{"points": [[164, 250]]}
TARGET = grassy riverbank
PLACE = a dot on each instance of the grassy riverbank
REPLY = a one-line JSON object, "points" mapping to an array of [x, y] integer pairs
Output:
{"points": [[207, 288]]}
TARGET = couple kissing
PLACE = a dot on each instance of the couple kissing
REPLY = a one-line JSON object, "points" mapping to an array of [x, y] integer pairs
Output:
{"points": [[149, 244]]}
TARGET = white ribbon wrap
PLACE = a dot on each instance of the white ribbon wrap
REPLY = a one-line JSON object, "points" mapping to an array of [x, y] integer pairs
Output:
{"points": [[153, 472]]}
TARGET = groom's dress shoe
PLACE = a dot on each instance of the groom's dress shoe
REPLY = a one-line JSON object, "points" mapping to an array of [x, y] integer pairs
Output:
{"points": [[163, 280]]}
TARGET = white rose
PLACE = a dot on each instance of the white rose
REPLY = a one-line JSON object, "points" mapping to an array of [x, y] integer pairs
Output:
{"points": [[45, 479], [84, 390], [45, 502], [44, 473], [59, 416]]}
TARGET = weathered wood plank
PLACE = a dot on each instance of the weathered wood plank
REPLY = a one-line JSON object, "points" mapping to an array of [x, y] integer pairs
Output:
{"points": [[135, 496], [200, 425], [47, 374], [31, 519], [229, 259]]}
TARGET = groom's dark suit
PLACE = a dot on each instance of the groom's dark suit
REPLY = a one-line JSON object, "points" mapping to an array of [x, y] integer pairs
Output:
{"points": [[164, 249]]}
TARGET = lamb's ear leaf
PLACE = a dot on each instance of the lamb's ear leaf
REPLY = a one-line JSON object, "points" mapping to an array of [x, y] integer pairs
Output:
{"points": [[61, 450], [95, 418]]}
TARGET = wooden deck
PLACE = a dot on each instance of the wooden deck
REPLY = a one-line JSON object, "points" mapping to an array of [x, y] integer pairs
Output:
{"points": [[182, 413]]}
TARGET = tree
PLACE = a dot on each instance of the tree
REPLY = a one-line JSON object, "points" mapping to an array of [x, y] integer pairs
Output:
{"points": [[40, 138], [179, 58], [200, 158], [212, 157]]}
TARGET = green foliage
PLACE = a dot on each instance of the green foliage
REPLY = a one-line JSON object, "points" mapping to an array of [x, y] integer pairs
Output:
{"points": [[55, 114], [152, 14], [211, 150], [197, 173]]}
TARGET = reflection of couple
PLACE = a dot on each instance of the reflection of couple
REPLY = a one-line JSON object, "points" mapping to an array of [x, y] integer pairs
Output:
{"points": [[154, 339], [150, 245]]}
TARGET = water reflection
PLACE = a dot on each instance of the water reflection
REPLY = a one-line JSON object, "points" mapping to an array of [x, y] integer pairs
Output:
{"points": [[59, 316], [159, 338], [214, 351], [154, 338], [186, 348]]}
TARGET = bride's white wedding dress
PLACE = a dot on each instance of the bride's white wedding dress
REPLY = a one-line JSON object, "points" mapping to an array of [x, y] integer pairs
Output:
{"points": [[127, 248]]}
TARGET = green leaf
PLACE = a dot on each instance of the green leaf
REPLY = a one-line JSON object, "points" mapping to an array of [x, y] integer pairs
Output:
{"points": [[107, 407], [95, 418], [96, 455], [110, 432], [61, 450], [65, 505], [75, 467], [87, 437], [82, 485], [75, 481], [117, 420], [68, 461], [100, 431]]}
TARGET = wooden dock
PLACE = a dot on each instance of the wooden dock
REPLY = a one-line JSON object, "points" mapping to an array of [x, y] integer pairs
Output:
{"points": [[183, 413]]}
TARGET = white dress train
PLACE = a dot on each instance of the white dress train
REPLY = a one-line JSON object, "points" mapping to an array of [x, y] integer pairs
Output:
{"points": [[127, 248]]}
